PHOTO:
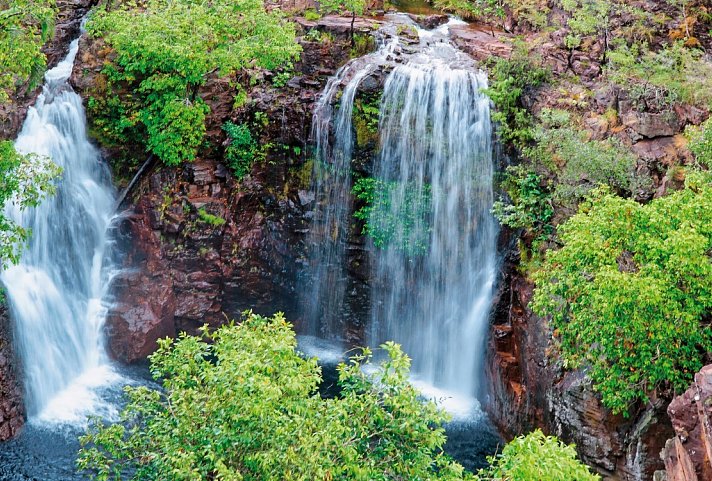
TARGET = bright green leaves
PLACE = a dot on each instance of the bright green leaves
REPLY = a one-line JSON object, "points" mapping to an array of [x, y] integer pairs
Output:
{"points": [[629, 288], [26, 180], [406, 227], [242, 404], [530, 207], [243, 150], [537, 457], [25, 26], [165, 52]]}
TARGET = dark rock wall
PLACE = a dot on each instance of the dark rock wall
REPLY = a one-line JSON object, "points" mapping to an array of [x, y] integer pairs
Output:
{"points": [[11, 407]]}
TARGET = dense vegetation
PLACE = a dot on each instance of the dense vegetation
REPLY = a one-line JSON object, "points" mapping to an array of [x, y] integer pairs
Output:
{"points": [[240, 403], [25, 26], [164, 52]]}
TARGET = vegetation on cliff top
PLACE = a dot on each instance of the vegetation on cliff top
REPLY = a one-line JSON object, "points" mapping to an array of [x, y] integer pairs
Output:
{"points": [[164, 53], [241, 403], [25, 26], [629, 290]]}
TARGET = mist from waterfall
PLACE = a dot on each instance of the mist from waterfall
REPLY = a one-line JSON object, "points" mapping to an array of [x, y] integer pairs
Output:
{"points": [[55, 292]]}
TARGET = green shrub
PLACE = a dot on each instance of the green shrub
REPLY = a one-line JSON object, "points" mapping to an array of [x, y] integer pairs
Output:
{"points": [[210, 219], [240, 403], [243, 150], [629, 288], [673, 74], [701, 142], [25, 26], [536, 457], [408, 227], [509, 78], [530, 205], [165, 51]]}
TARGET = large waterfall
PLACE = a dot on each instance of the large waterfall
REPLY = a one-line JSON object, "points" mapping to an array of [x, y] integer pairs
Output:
{"points": [[433, 265], [55, 292], [433, 279]]}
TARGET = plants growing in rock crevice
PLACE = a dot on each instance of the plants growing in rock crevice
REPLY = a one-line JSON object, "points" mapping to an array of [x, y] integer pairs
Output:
{"points": [[164, 52]]}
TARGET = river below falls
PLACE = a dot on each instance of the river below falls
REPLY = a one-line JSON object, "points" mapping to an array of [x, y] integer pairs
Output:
{"points": [[47, 452]]}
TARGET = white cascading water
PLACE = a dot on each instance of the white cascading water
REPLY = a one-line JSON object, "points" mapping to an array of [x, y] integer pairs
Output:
{"points": [[433, 280], [332, 192], [55, 292]]}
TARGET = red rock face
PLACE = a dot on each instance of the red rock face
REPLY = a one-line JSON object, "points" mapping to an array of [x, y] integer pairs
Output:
{"points": [[529, 389], [11, 407], [688, 456]]}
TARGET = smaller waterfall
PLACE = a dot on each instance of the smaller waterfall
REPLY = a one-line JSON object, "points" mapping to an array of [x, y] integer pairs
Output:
{"points": [[332, 191], [55, 292]]}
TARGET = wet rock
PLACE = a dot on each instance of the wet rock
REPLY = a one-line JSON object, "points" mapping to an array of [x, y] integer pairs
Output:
{"points": [[688, 456], [429, 22], [480, 43], [11, 407]]}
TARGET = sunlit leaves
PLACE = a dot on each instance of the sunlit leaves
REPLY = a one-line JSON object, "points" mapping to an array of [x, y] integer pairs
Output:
{"points": [[630, 288], [25, 26], [243, 405]]}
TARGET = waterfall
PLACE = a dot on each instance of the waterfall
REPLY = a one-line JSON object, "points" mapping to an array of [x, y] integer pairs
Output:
{"points": [[433, 265], [433, 279], [55, 292], [332, 135]]}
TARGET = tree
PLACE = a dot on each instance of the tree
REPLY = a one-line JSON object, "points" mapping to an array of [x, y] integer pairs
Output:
{"points": [[165, 51], [356, 7], [26, 180], [25, 25], [536, 457], [630, 289], [241, 403]]}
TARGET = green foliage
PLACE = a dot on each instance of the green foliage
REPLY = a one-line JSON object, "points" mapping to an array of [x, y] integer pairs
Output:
{"points": [[588, 17], [406, 227], [25, 26], [580, 164], [508, 80], [311, 15], [472, 9], [26, 180], [537, 457], [242, 404], [530, 207], [701, 142], [629, 288], [210, 219], [165, 50], [673, 74], [243, 150], [366, 115]]}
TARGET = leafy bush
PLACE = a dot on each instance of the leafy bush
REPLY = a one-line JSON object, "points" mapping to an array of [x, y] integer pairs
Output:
{"points": [[242, 404], [25, 26], [701, 142], [509, 78], [629, 289], [472, 9], [165, 50], [581, 164], [243, 150], [406, 227], [675, 73], [26, 180], [530, 207], [536, 457]]}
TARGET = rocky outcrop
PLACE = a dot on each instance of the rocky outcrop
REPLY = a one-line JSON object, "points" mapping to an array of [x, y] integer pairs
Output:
{"points": [[529, 389], [688, 455], [11, 407]]}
